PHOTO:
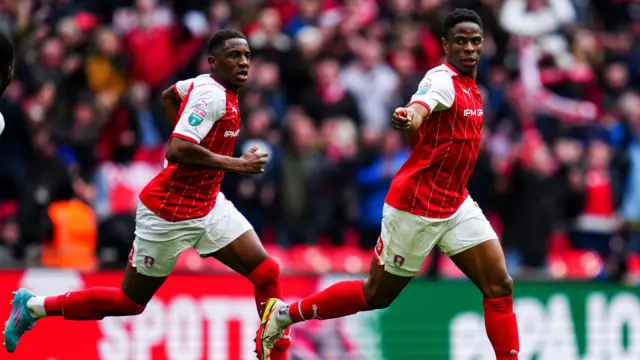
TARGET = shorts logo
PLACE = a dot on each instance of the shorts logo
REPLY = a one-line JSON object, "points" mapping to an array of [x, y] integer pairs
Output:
{"points": [[398, 261], [149, 261]]}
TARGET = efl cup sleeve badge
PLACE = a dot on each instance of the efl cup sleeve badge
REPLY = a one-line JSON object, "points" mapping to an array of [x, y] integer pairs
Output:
{"points": [[398, 261], [424, 87], [197, 116]]}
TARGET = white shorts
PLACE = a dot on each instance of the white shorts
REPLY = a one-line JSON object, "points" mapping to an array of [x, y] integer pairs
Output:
{"points": [[406, 239], [158, 242]]}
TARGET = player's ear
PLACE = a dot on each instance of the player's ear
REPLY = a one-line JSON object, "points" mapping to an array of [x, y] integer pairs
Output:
{"points": [[212, 62], [445, 45]]}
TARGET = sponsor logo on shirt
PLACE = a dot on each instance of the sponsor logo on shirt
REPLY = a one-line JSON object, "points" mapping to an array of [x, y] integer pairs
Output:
{"points": [[230, 133], [472, 112]]}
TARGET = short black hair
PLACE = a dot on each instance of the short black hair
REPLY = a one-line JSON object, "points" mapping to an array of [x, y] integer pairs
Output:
{"points": [[7, 52], [216, 40], [458, 16]]}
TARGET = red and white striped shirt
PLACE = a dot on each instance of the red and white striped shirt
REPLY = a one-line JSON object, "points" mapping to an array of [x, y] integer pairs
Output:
{"points": [[433, 181], [209, 116]]}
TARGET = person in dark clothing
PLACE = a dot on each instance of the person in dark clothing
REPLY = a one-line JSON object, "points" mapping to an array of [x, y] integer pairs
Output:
{"points": [[7, 54]]}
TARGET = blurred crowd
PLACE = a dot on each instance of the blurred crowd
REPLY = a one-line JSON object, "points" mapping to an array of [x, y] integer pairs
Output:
{"points": [[85, 131]]}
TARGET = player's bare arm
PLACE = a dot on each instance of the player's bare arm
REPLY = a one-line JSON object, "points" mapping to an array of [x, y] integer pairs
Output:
{"points": [[171, 103], [191, 154]]}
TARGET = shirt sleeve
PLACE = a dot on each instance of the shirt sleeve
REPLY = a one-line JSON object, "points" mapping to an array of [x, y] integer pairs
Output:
{"points": [[205, 106], [435, 92], [181, 88]]}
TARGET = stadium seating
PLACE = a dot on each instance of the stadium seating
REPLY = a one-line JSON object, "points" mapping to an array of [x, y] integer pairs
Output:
{"points": [[575, 264]]}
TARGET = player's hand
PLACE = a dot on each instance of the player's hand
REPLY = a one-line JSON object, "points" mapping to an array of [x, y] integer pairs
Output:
{"points": [[253, 162], [402, 118]]}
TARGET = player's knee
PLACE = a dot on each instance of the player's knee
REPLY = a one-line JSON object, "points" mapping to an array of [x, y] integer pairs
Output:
{"points": [[376, 296], [268, 272], [499, 288], [128, 306], [378, 300]]}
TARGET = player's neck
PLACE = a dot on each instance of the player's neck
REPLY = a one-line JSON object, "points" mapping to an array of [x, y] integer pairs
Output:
{"points": [[471, 75], [226, 84]]}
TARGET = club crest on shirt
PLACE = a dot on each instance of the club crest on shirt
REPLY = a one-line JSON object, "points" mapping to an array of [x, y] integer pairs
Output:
{"points": [[197, 116]]}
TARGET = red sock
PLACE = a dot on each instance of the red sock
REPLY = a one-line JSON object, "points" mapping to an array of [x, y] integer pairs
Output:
{"points": [[341, 299], [266, 285], [91, 304], [502, 327], [280, 350], [266, 282]]}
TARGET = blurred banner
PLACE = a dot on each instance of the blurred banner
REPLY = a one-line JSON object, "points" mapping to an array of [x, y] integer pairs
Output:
{"points": [[193, 317], [205, 317], [557, 321]]}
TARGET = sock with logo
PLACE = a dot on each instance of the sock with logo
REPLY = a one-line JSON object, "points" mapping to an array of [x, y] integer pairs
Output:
{"points": [[90, 304], [341, 299], [502, 327]]}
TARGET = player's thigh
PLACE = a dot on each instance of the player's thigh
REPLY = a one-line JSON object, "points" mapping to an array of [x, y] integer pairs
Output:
{"points": [[485, 266], [243, 254], [467, 229], [405, 241], [140, 288], [230, 239], [473, 246], [155, 251]]}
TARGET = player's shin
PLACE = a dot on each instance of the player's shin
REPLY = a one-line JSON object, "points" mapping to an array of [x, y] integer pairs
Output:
{"points": [[341, 299], [266, 285], [266, 282], [502, 328], [90, 304]]}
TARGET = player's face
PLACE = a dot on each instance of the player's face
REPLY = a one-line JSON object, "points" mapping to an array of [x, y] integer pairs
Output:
{"points": [[463, 46], [231, 63]]}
